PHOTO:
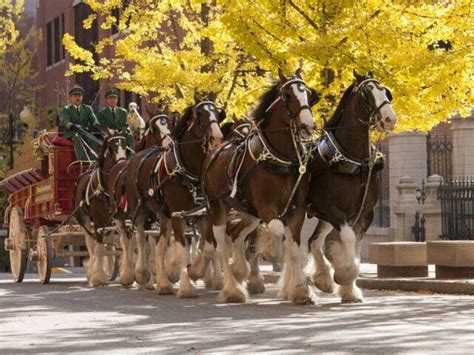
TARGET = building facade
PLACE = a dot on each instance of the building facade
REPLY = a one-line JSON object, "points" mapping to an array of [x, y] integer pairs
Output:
{"points": [[54, 19]]}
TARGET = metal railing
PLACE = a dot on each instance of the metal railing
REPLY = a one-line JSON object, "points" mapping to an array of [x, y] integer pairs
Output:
{"points": [[457, 209]]}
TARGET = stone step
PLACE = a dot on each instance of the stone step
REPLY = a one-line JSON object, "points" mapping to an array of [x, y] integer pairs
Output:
{"points": [[454, 259], [399, 259]]}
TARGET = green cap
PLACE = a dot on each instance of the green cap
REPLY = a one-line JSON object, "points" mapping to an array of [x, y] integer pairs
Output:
{"points": [[112, 92], [76, 90]]}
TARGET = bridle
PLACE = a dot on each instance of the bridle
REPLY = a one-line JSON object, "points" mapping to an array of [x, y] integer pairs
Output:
{"points": [[206, 137], [291, 115], [292, 81], [163, 121], [119, 137], [374, 112]]}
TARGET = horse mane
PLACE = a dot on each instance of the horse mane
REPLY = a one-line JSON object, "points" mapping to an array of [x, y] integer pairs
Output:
{"points": [[336, 116], [182, 122], [226, 128], [265, 101]]}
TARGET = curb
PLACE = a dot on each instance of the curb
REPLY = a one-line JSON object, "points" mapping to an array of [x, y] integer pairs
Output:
{"points": [[453, 287]]}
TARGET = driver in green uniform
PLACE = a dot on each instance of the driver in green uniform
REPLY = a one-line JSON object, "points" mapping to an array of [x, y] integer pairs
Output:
{"points": [[78, 121], [114, 117]]}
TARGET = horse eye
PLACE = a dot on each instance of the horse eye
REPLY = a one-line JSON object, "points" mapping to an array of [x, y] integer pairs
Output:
{"points": [[163, 121], [370, 87]]}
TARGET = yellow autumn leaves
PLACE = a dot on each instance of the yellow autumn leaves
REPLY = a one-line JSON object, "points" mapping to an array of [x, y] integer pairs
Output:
{"points": [[422, 50]]}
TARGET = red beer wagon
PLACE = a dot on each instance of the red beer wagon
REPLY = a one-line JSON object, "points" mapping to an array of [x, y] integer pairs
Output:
{"points": [[40, 198]]}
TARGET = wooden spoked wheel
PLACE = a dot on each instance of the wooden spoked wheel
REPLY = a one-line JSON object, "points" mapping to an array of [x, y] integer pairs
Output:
{"points": [[45, 255], [17, 233], [111, 263]]}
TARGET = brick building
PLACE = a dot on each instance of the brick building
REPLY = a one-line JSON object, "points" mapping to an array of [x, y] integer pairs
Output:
{"points": [[54, 19]]}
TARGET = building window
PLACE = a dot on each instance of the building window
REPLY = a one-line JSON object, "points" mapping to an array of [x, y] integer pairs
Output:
{"points": [[63, 50], [57, 40], [54, 33], [117, 12], [49, 44]]}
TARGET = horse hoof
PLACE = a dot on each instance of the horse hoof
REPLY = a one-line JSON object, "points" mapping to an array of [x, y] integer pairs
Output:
{"points": [[233, 296], [352, 300], [217, 284], [302, 295], [143, 277], [173, 277], [191, 293], [165, 290], [127, 280], [256, 288], [324, 283]]}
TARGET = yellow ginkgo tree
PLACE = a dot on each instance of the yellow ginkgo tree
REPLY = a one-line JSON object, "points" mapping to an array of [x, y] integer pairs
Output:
{"points": [[169, 50], [421, 50], [10, 12]]}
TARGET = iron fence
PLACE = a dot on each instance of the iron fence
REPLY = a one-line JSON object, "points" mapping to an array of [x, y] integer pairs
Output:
{"points": [[457, 209]]}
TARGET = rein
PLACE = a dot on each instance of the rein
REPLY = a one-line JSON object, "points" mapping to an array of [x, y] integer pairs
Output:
{"points": [[341, 155], [268, 152]]}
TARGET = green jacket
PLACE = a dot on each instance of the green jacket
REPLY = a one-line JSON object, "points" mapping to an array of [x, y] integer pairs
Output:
{"points": [[69, 116], [107, 120]]}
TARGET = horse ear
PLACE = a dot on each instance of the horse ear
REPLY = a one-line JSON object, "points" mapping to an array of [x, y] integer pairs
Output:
{"points": [[370, 74], [197, 97], [282, 76], [299, 73], [314, 97], [222, 116], [212, 96], [358, 77]]}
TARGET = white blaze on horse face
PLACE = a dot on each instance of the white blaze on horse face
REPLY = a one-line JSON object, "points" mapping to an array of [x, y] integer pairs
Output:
{"points": [[121, 152], [305, 116], [162, 125], [215, 129], [389, 118]]}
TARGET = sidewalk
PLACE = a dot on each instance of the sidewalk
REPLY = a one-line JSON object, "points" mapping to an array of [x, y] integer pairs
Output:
{"points": [[368, 280]]}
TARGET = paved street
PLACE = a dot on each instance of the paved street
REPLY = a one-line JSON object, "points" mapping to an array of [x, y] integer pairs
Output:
{"points": [[69, 316]]}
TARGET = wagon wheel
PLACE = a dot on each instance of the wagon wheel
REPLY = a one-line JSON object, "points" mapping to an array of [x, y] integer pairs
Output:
{"points": [[17, 237], [111, 264], [45, 255]]}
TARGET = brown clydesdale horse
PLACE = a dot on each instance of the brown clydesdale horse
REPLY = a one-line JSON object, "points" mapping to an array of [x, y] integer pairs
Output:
{"points": [[264, 178], [156, 137], [344, 183], [90, 199], [161, 184]]}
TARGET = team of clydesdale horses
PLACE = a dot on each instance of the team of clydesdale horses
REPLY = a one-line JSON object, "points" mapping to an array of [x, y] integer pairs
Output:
{"points": [[269, 169]]}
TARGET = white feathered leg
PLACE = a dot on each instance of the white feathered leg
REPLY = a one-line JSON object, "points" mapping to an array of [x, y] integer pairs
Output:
{"points": [[322, 276], [142, 271], [98, 276], [232, 292], [345, 259], [240, 266], [126, 266], [294, 287]]}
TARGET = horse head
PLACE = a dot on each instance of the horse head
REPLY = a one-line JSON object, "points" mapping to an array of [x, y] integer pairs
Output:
{"points": [[298, 99], [162, 124], [376, 101], [114, 149], [205, 121]]}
